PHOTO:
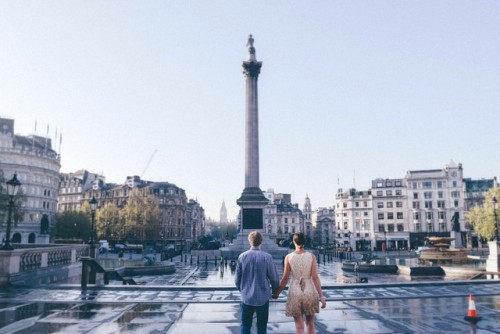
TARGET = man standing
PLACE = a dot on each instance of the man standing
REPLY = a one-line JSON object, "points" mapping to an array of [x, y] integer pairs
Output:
{"points": [[256, 279]]}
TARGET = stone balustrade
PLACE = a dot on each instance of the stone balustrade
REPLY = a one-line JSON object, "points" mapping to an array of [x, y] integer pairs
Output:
{"points": [[42, 264]]}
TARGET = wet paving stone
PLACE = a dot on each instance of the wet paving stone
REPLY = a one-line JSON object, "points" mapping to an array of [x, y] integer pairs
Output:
{"points": [[174, 305]]}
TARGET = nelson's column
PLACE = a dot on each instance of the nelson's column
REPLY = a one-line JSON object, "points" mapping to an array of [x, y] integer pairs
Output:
{"points": [[252, 201]]}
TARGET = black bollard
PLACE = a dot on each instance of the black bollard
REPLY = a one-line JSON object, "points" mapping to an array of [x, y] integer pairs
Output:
{"points": [[191, 260], [206, 260], [216, 260], [198, 260]]}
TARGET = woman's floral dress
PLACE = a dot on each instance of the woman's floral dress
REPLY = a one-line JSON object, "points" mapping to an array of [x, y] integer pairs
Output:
{"points": [[302, 296]]}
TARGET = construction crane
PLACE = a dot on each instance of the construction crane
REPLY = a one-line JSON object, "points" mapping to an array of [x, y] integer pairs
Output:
{"points": [[149, 161]]}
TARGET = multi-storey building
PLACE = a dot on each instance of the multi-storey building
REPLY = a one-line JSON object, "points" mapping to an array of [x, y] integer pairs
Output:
{"points": [[354, 219], [195, 222], [281, 217], [323, 222], [174, 210], [475, 190], [436, 203], [72, 186], [390, 213], [37, 166]]}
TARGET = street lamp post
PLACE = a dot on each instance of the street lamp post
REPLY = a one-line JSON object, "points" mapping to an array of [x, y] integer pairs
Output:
{"points": [[385, 237], [13, 186], [496, 217], [93, 206]]}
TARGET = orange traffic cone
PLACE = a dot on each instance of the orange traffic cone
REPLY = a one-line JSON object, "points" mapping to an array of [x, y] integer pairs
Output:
{"points": [[472, 313]]}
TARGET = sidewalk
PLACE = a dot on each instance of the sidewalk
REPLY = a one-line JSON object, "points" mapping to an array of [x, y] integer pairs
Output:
{"points": [[426, 307]]}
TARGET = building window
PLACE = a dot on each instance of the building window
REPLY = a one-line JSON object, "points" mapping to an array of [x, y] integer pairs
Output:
{"points": [[356, 204], [455, 202], [390, 227], [440, 184], [381, 228], [365, 204], [417, 227], [365, 213], [454, 184], [381, 215], [398, 183], [389, 204], [380, 193], [428, 194], [415, 195], [441, 215], [380, 205], [388, 193], [380, 184], [399, 215], [390, 215], [455, 194], [344, 205], [440, 204], [427, 184], [428, 215], [416, 205], [400, 228], [398, 193], [388, 184], [414, 185], [428, 204], [399, 204], [440, 194]]}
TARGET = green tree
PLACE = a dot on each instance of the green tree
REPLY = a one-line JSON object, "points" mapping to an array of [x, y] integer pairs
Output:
{"points": [[483, 217], [108, 222], [72, 225], [141, 216]]}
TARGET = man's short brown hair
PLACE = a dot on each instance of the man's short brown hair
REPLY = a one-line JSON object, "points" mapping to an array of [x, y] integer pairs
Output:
{"points": [[255, 239]]}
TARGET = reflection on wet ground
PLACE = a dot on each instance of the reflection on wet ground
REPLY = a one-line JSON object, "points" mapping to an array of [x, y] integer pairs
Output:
{"points": [[202, 299]]}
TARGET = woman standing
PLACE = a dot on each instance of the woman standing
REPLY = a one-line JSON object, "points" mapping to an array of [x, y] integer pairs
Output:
{"points": [[305, 286]]}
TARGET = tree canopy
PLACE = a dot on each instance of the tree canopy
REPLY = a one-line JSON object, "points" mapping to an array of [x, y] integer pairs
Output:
{"points": [[483, 217]]}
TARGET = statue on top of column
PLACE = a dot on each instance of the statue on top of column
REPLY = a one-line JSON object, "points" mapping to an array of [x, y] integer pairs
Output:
{"points": [[251, 49]]}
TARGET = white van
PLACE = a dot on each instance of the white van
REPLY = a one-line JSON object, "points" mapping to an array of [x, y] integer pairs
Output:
{"points": [[103, 246]]}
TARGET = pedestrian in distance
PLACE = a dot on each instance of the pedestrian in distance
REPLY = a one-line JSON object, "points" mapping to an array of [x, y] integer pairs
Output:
{"points": [[256, 279], [305, 286]]}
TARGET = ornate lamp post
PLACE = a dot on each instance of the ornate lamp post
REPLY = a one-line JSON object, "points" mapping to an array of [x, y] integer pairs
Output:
{"points": [[13, 186], [93, 206], [494, 202]]}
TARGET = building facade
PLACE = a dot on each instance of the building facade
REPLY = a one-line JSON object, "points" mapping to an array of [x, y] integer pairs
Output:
{"points": [[323, 222], [390, 214], [281, 218], [354, 219], [37, 166]]}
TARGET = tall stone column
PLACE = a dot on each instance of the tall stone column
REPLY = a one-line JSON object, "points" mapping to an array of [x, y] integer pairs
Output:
{"points": [[252, 201]]}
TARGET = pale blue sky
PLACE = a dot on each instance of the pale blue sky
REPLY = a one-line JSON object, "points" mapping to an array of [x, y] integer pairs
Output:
{"points": [[364, 88]]}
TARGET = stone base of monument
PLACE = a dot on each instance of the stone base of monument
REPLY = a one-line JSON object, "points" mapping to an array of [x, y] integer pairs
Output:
{"points": [[240, 245], [493, 261]]}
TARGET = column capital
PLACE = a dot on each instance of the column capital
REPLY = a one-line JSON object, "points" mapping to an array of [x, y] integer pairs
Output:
{"points": [[252, 68]]}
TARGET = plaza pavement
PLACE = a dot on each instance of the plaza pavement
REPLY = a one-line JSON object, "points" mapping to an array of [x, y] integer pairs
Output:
{"points": [[195, 300]]}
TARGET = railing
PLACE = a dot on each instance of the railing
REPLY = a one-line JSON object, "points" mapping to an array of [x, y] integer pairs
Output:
{"points": [[25, 264]]}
